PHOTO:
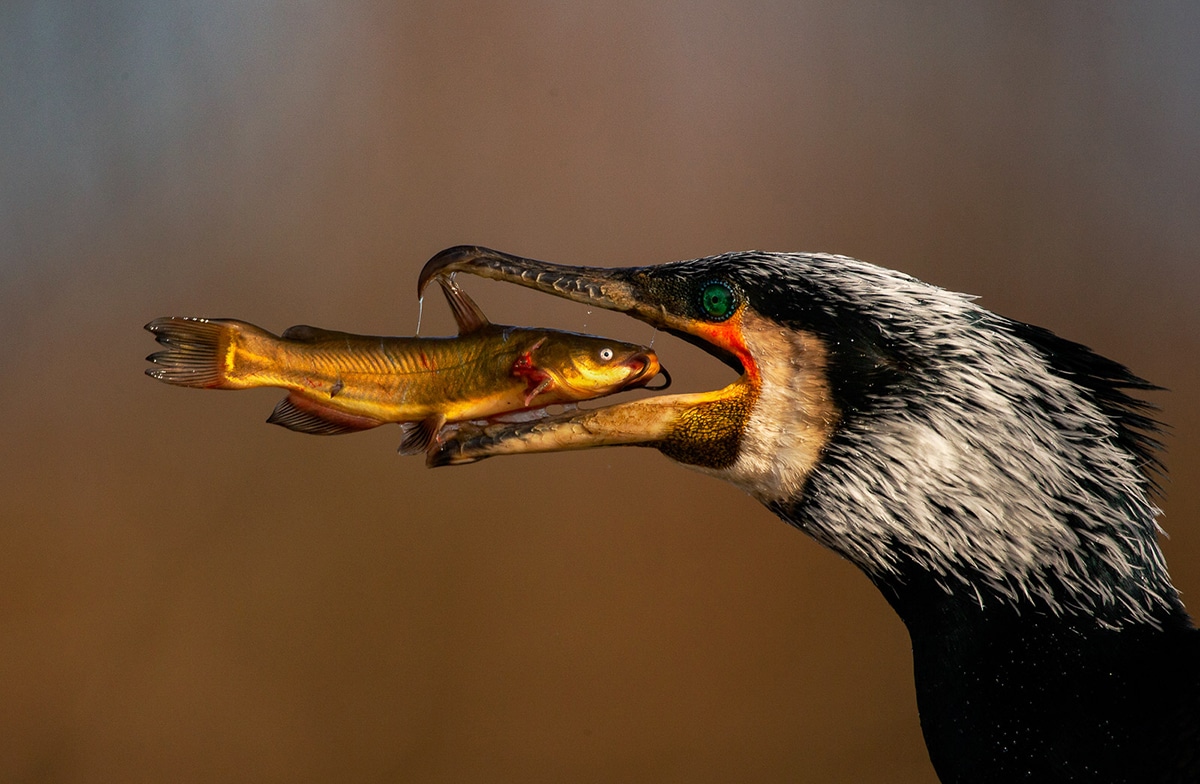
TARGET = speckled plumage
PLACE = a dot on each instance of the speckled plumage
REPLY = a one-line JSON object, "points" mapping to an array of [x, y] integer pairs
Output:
{"points": [[985, 458]]}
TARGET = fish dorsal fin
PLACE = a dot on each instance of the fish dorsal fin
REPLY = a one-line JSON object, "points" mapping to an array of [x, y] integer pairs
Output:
{"points": [[288, 415], [306, 334], [467, 314], [419, 435]]}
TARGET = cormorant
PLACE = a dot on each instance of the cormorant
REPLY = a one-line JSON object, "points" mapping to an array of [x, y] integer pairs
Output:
{"points": [[993, 480]]}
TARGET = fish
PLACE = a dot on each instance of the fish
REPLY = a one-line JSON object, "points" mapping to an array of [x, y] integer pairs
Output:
{"points": [[339, 382]]}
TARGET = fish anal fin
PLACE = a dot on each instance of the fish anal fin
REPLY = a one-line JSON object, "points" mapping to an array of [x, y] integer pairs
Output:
{"points": [[467, 314], [419, 435], [303, 416]]}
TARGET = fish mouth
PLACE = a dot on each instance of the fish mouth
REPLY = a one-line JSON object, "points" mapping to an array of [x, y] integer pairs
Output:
{"points": [[705, 423], [636, 372], [645, 369], [643, 378]]}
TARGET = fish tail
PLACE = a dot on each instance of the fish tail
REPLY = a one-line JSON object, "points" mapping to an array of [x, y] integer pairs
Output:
{"points": [[199, 352]]}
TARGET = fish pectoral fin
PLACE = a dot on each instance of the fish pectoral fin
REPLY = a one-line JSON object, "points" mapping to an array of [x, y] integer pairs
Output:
{"points": [[537, 380], [467, 314], [533, 391], [305, 420], [419, 435]]}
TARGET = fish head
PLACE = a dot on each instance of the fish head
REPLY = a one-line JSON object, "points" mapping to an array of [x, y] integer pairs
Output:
{"points": [[582, 367]]}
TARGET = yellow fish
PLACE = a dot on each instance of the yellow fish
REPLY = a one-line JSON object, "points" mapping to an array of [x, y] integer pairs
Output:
{"points": [[340, 383]]}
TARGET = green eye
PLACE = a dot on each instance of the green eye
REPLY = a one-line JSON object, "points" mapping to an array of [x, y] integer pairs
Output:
{"points": [[717, 301]]}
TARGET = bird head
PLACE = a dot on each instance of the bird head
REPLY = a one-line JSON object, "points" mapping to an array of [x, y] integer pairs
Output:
{"points": [[721, 304], [900, 424]]}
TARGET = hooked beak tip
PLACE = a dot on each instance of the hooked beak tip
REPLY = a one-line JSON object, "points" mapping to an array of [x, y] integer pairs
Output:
{"points": [[453, 259]]}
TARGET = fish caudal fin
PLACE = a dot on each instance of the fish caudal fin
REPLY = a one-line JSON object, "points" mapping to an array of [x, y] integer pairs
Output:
{"points": [[197, 351]]}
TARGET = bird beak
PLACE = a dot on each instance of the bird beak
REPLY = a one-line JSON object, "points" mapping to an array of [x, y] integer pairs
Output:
{"points": [[665, 422], [608, 288]]}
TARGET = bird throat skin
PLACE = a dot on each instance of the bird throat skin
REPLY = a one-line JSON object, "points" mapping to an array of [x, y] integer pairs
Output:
{"points": [[793, 415], [726, 437], [708, 436]]}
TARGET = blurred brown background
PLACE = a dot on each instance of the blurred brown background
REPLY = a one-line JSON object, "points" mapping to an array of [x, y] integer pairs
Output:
{"points": [[187, 594]]}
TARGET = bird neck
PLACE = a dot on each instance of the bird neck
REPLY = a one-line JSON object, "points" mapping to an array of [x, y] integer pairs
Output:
{"points": [[1003, 511], [1011, 691]]}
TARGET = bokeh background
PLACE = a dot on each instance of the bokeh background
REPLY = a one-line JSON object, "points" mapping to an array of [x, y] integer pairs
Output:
{"points": [[187, 594]]}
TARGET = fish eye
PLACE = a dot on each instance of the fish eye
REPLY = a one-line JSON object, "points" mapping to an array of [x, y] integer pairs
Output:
{"points": [[606, 353], [717, 301]]}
